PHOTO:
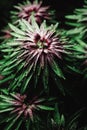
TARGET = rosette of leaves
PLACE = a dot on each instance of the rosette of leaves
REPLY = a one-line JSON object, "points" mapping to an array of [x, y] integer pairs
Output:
{"points": [[34, 53], [81, 56], [21, 112], [78, 22], [27, 9], [58, 120], [74, 122]]}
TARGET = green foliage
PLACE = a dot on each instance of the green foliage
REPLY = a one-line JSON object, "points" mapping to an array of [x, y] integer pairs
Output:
{"points": [[13, 113], [77, 22], [19, 60], [59, 119]]}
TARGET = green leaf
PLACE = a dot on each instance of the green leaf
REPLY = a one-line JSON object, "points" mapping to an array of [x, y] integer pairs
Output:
{"points": [[19, 79], [5, 91], [11, 66], [27, 82], [40, 100], [21, 65], [19, 124], [28, 124], [73, 17], [14, 43], [6, 73], [7, 50], [73, 24], [51, 99], [5, 105], [59, 84], [73, 120], [13, 54], [36, 75], [10, 124], [11, 117], [62, 120], [2, 120], [82, 43], [76, 70], [16, 35], [45, 77], [6, 79], [27, 25], [75, 31], [45, 108], [17, 30], [34, 23], [57, 115], [5, 97], [57, 70], [9, 62], [6, 110]]}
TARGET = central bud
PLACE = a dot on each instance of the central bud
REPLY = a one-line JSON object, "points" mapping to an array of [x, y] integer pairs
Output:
{"points": [[30, 10], [42, 42]]}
